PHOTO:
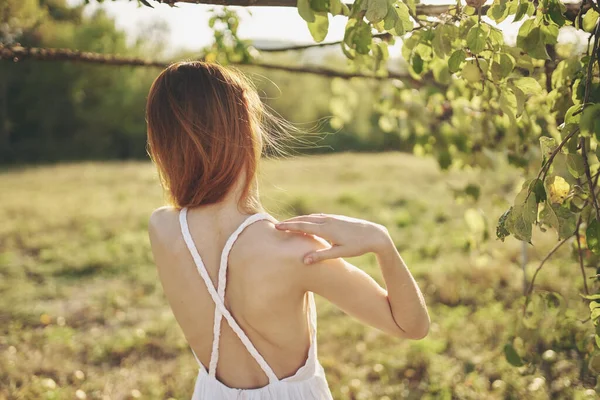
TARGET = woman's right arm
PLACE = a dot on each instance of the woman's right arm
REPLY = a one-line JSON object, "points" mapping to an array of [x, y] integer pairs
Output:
{"points": [[400, 310]]}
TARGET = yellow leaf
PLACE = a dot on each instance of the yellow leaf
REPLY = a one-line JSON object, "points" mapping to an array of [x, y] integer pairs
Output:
{"points": [[45, 319], [558, 190]]}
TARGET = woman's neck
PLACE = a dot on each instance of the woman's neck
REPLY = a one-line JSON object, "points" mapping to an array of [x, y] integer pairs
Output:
{"points": [[230, 207]]}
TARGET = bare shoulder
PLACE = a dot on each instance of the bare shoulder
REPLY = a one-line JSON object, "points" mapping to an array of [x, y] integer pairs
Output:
{"points": [[163, 226], [284, 248], [279, 255], [161, 215]]}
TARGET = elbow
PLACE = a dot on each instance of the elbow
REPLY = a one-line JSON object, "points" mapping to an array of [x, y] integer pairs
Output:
{"points": [[418, 331]]}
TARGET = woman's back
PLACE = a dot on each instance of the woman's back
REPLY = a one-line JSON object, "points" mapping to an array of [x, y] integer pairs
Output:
{"points": [[272, 316]]}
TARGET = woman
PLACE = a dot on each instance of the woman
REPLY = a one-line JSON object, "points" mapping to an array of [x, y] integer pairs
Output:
{"points": [[247, 311]]}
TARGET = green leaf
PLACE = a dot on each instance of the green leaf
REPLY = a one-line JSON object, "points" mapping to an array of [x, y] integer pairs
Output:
{"points": [[573, 115], [391, 19], [409, 44], [456, 59], [376, 10], [417, 63], [591, 296], [319, 28], [524, 31], [547, 145], [501, 229], [512, 356], [520, 99], [517, 225], [594, 362], [444, 159], [338, 8], [468, 10], [305, 11], [590, 19], [404, 23], [476, 38], [319, 5], [577, 91], [471, 72], [537, 188], [566, 221], [508, 103], [522, 215], [440, 71], [531, 40], [556, 12], [441, 43], [548, 217], [590, 121], [528, 85], [565, 71], [527, 202], [575, 165], [549, 33], [521, 10], [362, 38], [502, 65], [496, 38], [473, 190], [592, 236], [498, 11]]}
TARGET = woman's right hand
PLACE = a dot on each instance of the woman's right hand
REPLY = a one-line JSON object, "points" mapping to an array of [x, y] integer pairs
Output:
{"points": [[349, 237]]}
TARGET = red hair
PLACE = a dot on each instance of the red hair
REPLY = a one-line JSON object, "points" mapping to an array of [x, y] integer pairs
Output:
{"points": [[204, 133]]}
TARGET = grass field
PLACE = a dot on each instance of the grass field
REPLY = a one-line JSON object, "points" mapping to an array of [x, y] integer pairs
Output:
{"points": [[82, 314]]}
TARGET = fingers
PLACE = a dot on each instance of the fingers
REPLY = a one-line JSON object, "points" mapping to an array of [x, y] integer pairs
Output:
{"points": [[324, 254], [315, 218], [305, 227]]}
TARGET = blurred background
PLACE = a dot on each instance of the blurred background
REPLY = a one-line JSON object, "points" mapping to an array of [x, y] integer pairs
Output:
{"points": [[82, 314]]}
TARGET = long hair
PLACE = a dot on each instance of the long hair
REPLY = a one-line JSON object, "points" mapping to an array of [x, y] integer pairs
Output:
{"points": [[204, 132]]}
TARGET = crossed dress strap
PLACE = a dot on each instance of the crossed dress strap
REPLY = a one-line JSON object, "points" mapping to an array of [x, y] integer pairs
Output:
{"points": [[222, 283], [218, 297]]}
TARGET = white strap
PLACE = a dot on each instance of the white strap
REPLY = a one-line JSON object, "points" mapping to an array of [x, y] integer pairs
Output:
{"points": [[217, 300], [312, 312], [222, 284]]}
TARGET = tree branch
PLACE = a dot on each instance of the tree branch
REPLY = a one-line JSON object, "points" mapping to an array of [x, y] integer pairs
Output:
{"points": [[339, 74], [571, 12], [588, 176], [590, 66], [383, 36], [585, 286], [593, 5], [537, 270], [17, 53]]}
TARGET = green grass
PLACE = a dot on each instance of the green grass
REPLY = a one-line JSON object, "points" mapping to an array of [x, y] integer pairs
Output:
{"points": [[82, 314]]}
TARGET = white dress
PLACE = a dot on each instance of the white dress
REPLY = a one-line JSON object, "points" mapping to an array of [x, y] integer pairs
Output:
{"points": [[308, 383]]}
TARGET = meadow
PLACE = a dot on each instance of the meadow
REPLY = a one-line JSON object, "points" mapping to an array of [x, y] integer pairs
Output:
{"points": [[82, 314]]}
